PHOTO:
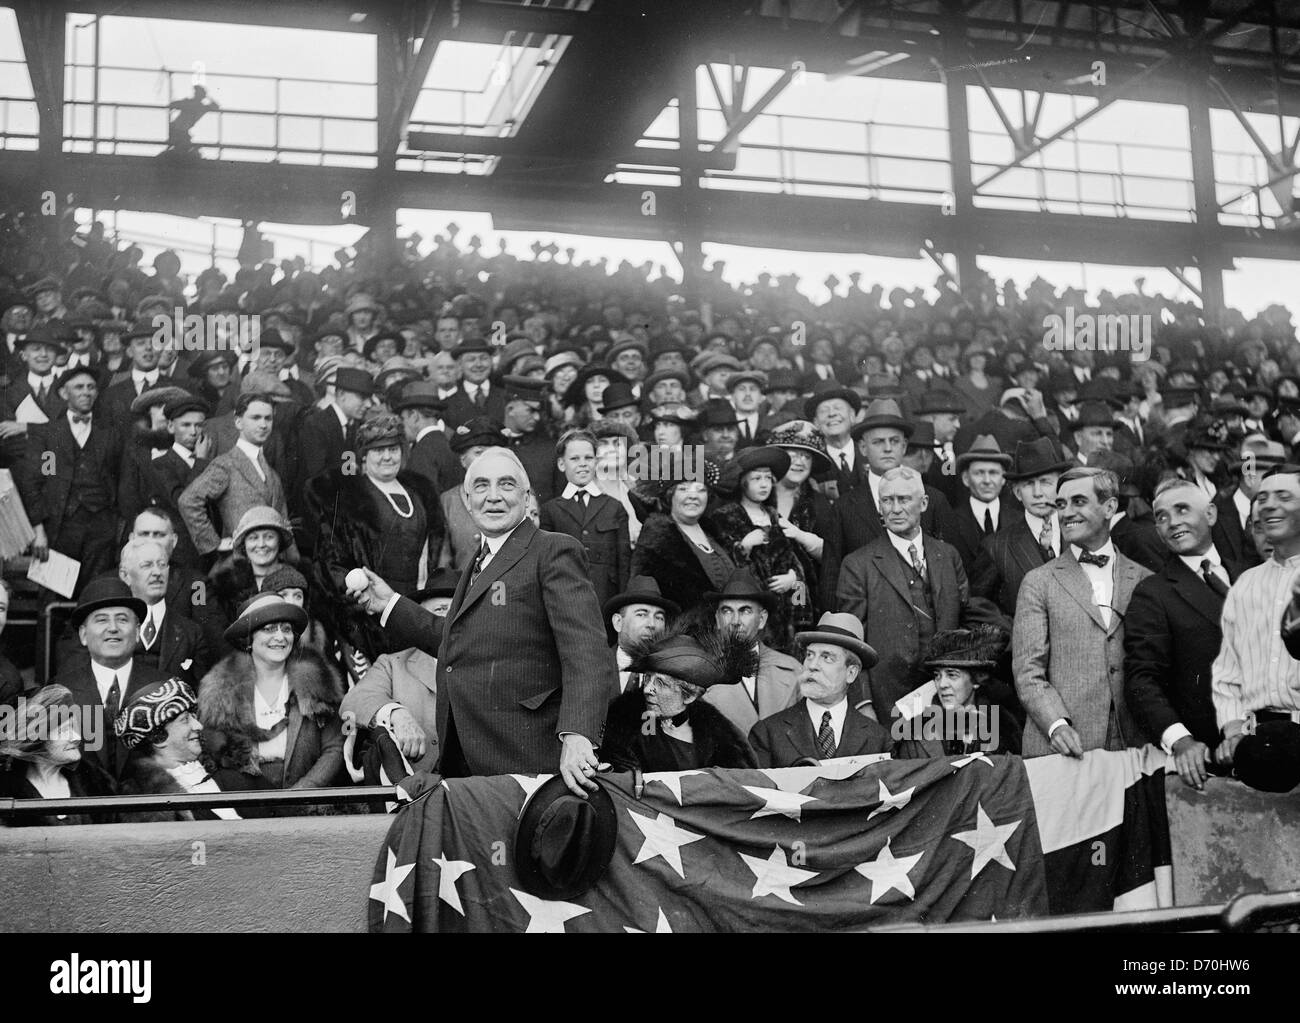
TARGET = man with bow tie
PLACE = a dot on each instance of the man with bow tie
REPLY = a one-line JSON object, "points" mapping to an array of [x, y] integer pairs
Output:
{"points": [[1068, 641], [69, 479]]}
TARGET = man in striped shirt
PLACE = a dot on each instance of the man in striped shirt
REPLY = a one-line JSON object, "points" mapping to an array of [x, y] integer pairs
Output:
{"points": [[1255, 679]]}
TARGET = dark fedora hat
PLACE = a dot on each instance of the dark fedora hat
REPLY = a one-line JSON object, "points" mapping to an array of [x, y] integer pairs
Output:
{"points": [[441, 583], [1034, 458], [984, 449], [259, 610], [742, 584], [617, 395], [1269, 760], [106, 591], [54, 334], [471, 345], [563, 842], [476, 432], [641, 589], [523, 389], [839, 628], [358, 381], [1094, 413], [717, 412], [829, 390], [272, 338], [419, 394], [883, 413], [922, 437]]}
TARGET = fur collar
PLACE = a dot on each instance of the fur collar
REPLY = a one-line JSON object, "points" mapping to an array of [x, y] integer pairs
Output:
{"points": [[143, 775], [718, 741], [335, 489], [226, 692]]}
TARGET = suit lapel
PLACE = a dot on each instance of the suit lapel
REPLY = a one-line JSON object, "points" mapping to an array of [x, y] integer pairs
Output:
{"points": [[1193, 589], [852, 736], [1024, 547], [799, 731], [1126, 577], [934, 571], [1070, 574], [511, 551], [891, 568]]}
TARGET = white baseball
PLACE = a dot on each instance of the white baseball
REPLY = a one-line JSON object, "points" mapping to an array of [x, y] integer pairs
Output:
{"points": [[357, 579]]}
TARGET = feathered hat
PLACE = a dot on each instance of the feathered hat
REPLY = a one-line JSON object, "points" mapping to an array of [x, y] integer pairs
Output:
{"points": [[704, 659], [977, 647]]}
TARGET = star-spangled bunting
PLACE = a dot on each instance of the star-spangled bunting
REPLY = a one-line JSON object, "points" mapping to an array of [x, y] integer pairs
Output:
{"points": [[774, 876], [663, 838], [788, 804], [660, 928], [385, 891], [449, 872], [531, 785], [891, 801], [545, 917], [989, 841], [972, 758], [888, 872], [671, 780]]}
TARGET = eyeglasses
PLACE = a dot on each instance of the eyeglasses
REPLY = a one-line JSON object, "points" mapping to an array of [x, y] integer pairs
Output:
{"points": [[272, 628]]}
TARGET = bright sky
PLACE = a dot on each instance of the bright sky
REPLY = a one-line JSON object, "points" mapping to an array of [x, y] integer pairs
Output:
{"points": [[885, 138]]}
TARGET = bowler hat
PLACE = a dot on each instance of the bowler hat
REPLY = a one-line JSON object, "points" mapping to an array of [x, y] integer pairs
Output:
{"points": [[617, 395], [1269, 760], [1035, 458], [152, 708], [419, 394], [984, 449], [641, 589], [106, 591], [839, 628], [563, 842], [475, 433], [883, 413], [828, 390], [742, 584], [264, 609]]}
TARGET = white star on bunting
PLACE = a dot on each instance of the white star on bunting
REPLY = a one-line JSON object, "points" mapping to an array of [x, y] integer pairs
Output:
{"points": [[788, 804], [449, 872], [970, 759], [386, 892], [660, 928], [671, 780], [663, 838], [774, 876], [891, 801], [546, 917], [531, 785], [888, 872], [989, 841]]}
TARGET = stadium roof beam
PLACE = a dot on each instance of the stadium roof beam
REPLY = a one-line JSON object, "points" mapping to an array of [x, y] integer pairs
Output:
{"points": [[730, 140], [415, 65], [1179, 274], [494, 145]]}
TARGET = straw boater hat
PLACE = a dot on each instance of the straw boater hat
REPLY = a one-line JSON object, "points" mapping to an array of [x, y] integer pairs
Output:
{"points": [[841, 629]]}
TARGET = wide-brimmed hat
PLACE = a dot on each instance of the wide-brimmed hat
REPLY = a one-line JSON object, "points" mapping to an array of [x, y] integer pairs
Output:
{"points": [[984, 449], [262, 516], [162, 395], [839, 628], [922, 437], [1034, 458], [152, 708], [260, 610], [716, 412], [977, 647], [828, 390], [617, 395], [742, 584], [442, 582], [768, 456], [713, 658], [1269, 760], [358, 381], [382, 431], [801, 435], [106, 591], [641, 589], [939, 400], [563, 842], [475, 433], [561, 359], [883, 413], [419, 394]]}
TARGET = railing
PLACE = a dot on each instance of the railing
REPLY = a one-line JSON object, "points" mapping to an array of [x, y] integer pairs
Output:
{"points": [[334, 796]]}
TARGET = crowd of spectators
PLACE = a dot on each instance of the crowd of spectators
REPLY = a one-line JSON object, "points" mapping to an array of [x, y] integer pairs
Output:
{"points": [[805, 527]]}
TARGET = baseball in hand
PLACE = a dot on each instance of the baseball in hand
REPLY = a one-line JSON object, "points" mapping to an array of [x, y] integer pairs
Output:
{"points": [[357, 579]]}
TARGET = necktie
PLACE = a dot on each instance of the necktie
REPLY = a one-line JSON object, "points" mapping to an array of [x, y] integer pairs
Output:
{"points": [[1211, 579], [1088, 558], [988, 520], [844, 462], [583, 497], [150, 631], [42, 393], [262, 467], [478, 562], [916, 560], [744, 429], [480, 399], [1045, 540], [826, 737], [114, 699]]}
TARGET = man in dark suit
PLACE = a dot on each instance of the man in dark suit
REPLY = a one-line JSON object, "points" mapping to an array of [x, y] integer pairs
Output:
{"points": [[143, 375], [823, 724], [431, 456], [595, 520], [1031, 536], [904, 586], [942, 409], [69, 480], [107, 620], [832, 409], [1231, 531], [172, 643], [1172, 635], [983, 507], [33, 391], [328, 432], [521, 424], [881, 437], [475, 396], [525, 676], [187, 593]]}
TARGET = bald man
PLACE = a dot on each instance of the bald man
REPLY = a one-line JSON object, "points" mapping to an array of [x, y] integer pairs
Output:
{"points": [[904, 586], [525, 675], [1172, 635]]}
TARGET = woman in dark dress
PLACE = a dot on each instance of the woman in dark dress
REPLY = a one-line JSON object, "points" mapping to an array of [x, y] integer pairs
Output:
{"points": [[671, 673], [751, 528], [384, 518], [803, 512]]}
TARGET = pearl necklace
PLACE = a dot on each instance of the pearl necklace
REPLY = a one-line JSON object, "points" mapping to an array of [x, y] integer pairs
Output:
{"points": [[410, 505]]}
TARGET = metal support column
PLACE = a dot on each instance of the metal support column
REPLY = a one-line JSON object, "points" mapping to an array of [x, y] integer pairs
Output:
{"points": [[1209, 254], [43, 29], [690, 238], [963, 189], [377, 208]]}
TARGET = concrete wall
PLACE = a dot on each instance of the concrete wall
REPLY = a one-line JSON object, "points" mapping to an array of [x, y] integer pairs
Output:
{"points": [[300, 874], [312, 874]]}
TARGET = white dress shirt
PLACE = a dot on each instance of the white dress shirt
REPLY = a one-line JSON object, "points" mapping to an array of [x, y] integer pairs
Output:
{"points": [[472, 390], [254, 455], [36, 382], [1242, 504], [143, 381], [80, 431], [624, 659], [873, 481], [104, 681], [1101, 578], [849, 450], [185, 454], [157, 612], [752, 420], [978, 507], [268, 715], [1035, 525], [901, 544], [572, 490], [193, 777], [494, 544], [838, 714]]}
